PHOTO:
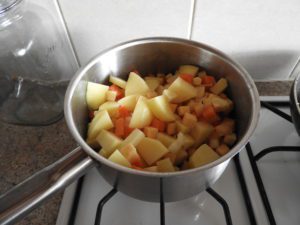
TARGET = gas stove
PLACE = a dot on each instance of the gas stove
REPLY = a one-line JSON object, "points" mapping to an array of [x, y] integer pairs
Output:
{"points": [[260, 186]]}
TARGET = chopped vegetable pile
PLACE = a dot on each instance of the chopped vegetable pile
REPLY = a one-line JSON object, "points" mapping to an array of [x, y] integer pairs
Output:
{"points": [[161, 123]]}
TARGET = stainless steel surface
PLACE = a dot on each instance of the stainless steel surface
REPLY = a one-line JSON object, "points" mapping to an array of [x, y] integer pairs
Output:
{"points": [[27, 195], [150, 55], [295, 103], [153, 55]]}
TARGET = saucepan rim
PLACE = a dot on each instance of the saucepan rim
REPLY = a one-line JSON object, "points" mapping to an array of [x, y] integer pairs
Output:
{"points": [[92, 153]]}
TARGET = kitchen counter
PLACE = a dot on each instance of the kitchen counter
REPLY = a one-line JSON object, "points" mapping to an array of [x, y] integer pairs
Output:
{"points": [[26, 150]]}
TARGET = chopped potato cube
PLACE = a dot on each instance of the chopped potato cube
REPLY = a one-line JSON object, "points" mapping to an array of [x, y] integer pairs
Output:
{"points": [[151, 132], [130, 153], [222, 149], [117, 81], [129, 101], [214, 142], [186, 140], [189, 120], [136, 85], [142, 115], [171, 129], [201, 132], [118, 158], [183, 109], [181, 127], [104, 153], [151, 169], [111, 96], [169, 95], [226, 127], [151, 94], [188, 69], [95, 94], [165, 165], [219, 87], [160, 107], [133, 138], [151, 150], [111, 107], [153, 82], [230, 139], [183, 90], [108, 141], [203, 155], [197, 81], [165, 139]]}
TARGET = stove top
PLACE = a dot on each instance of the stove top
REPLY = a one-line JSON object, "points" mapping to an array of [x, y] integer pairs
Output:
{"points": [[261, 185]]}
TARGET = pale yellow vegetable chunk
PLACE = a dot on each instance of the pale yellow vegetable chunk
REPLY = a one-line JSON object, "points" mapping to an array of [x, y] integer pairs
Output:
{"points": [[165, 139], [151, 150], [117, 81], [111, 96], [95, 94], [169, 95], [108, 141], [187, 140], [129, 101], [203, 155], [133, 138], [188, 69], [111, 107], [201, 132], [153, 82], [136, 85], [104, 153], [165, 165], [161, 109], [151, 169], [183, 90], [219, 87], [181, 127], [142, 115], [118, 158], [100, 122]]}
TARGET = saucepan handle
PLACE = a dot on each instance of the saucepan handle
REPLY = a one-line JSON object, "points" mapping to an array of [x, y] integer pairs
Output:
{"points": [[29, 194]]}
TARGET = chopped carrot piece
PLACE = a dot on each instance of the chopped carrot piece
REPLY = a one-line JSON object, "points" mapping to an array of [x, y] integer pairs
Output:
{"points": [[128, 129], [208, 81], [120, 127], [120, 92], [210, 115], [187, 77], [160, 125], [123, 111]]}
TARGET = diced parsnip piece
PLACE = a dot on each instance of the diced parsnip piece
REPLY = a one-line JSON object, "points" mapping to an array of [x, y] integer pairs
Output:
{"points": [[226, 127], [219, 87], [153, 82], [183, 109], [129, 102], [117, 81], [183, 90], [165, 139], [95, 94], [230, 139], [180, 157], [108, 141], [181, 127], [111, 107], [165, 165], [188, 69], [111, 96], [151, 150], [160, 107], [118, 158], [173, 107], [198, 108], [171, 129], [171, 79], [151, 169], [151, 132], [186, 140], [136, 85], [203, 155], [222, 149], [171, 156], [100, 122], [213, 142], [200, 91], [220, 104], [133, 138], [142, 115], [130, 153], [189, 120], [201, 132], [169, 94], [197, 81], [151, 94]]}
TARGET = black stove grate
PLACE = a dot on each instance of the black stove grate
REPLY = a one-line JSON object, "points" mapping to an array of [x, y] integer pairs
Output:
{"points": [[255, 158]]}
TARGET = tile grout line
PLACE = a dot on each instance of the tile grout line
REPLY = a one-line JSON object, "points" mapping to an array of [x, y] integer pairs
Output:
{"points": [[191, 19]]}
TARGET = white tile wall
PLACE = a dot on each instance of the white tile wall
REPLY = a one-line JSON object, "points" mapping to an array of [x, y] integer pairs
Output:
{"points": [[264, 36], [97, 24]]}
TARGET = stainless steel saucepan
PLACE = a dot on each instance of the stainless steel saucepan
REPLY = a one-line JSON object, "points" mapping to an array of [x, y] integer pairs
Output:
{"points": [[149, 55]]}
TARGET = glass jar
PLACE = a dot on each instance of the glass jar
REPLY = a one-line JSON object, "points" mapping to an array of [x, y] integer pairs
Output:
{"points": [[36, 64]]}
